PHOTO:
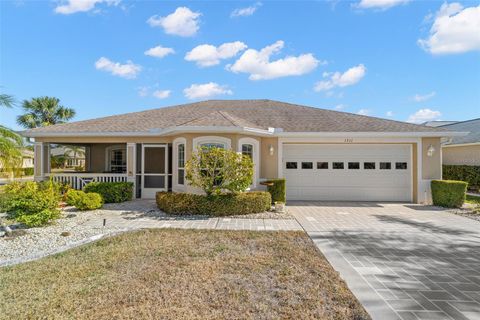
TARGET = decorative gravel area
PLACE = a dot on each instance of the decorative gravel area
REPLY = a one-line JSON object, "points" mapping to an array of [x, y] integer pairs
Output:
{"points": [[39, 242], [86, 226], [467, 213]]}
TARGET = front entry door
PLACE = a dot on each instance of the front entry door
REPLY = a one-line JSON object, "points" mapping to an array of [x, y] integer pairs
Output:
{"points": [[154, 170]]}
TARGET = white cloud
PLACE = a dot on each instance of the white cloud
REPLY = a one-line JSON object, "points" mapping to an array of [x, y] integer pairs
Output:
{"points": [[206, 55], [380, 4], [143, 91], [183, 22], [128, 70], [340, 107], [389, 114], [159, 52], [206, 90], [364, 112], [259, 66], [73, 6], [161, 94], [424, 115], [454, 30], [248, 11], [424, 97], [337, 79]]}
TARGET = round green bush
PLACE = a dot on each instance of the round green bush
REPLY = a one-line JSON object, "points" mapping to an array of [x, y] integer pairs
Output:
{"points": [[112, 192], [448, 193], [72, 196], [221, 205], [88, 201], [31, 203]]}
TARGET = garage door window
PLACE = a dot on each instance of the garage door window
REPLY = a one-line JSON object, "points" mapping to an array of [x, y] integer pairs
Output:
{"points": [[291, 165], [401, 165], [369, 165], [337, 165], [385, 165], [322, 165], [354, 165], [307, 165]]}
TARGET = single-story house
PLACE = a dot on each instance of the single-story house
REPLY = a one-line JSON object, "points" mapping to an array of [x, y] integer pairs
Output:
{"points": [[323, 154], [462, 150]]}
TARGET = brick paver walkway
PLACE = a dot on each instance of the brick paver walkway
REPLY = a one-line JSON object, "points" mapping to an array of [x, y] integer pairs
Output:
{"points": [[144, 214], [401, 261]]}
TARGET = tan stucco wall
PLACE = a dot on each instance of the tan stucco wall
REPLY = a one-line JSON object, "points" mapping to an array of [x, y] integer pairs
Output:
{"points": [[466, 155], [431, 166], [269, 163]]}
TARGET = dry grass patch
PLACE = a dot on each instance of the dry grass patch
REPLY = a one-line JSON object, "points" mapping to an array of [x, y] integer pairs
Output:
{"points": [[181, 274]]}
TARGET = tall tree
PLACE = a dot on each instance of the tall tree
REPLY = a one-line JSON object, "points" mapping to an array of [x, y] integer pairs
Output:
{"points": [[44, 111], [11, 143]]}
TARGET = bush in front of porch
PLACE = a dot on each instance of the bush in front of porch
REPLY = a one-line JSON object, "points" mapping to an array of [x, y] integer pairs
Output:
{"points": [[31, 203], [111, 192], [220, 205]]}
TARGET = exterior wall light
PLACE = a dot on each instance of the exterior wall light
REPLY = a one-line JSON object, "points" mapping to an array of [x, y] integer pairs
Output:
{"points": [[271, 149], [430, 151]]}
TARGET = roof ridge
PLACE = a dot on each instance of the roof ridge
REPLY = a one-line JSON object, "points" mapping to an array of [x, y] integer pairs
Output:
{"points": [[458, 122]]}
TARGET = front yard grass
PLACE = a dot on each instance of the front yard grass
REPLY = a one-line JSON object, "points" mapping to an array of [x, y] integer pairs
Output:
{"points": [[475, 201], [181, 274]]}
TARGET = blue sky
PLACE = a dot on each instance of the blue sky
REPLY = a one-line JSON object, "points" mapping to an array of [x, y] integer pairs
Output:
{"points": [[395, 59]]}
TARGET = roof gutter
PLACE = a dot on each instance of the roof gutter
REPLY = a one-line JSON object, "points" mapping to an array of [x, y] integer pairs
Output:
{"points": [[152, 133], [439, 134]]}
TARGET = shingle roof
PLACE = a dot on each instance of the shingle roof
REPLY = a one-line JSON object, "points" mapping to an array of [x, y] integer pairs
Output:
{"points": [[260, 114], [470, 126]]}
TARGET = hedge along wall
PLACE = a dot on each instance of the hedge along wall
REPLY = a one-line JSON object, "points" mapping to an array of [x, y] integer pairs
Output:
{"points": [[469, 174], [448, 193], [278, 190]]}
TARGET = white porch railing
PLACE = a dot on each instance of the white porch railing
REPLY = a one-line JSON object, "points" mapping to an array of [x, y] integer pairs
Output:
{"points": [[78, 180]]}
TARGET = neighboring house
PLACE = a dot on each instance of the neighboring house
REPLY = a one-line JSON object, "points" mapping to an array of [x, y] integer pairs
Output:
{"points": [[323, 154], [72, 156], [27, 159], [462, 150]]}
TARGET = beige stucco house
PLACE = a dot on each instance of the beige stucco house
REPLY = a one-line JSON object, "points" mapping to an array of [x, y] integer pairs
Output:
{"points": [[323, 154]]}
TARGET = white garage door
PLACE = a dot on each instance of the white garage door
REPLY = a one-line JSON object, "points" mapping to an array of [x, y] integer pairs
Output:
{"points": [[358, 172]]}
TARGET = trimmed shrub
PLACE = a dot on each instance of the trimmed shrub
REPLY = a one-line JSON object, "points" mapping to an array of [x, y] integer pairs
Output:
{"points": [[469, 174], [88, 201], [221, 205], [34, 204], [72, 196], [84, 201], [448, 193], [278, 190], [111, 192]]}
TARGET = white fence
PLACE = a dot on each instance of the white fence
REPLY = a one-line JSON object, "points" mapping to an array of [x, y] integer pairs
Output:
{"points": [[79, 180]]}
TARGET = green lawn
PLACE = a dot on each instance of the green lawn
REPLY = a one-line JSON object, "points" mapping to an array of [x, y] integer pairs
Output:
{"points": [[181, 274], [473, 199]]}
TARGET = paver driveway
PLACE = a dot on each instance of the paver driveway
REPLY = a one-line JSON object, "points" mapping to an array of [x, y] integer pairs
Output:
{"points": [[402, 261]]}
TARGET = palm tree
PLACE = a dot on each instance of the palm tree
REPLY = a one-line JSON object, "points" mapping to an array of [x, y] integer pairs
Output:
{"points": [[11, 143], [6, 100], [44, 111]]}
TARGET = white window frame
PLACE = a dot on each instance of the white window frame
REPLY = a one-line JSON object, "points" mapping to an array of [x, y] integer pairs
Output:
{"points": [[255, 157], [108, 151], [176, 143], [212, 139]]}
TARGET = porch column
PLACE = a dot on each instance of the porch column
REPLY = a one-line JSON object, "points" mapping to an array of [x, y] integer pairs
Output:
{"points": [[42, 161], [87, 158], [131, 163]]}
